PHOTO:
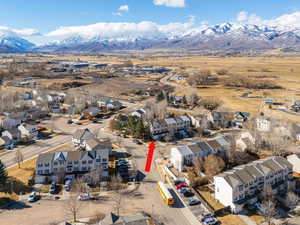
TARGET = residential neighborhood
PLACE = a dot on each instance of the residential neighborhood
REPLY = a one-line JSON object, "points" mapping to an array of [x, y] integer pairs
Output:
{"points": [[159, 112]]}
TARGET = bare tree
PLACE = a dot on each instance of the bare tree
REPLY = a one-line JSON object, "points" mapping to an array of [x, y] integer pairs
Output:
{"points": [[193, 100], [211, 103], [268, 206], [118, 197], [213, 165], [291, 200], [200, 78], [73, 205], [19, 158]]}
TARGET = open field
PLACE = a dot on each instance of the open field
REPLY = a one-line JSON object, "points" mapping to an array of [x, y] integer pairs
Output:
{"points": [[284, 71]]}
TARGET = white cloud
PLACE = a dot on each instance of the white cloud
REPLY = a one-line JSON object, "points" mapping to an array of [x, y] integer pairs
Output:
{"points": [[170, 3], [289, 20], [26, 32], [144, 29], [124, 8], [117, 14], [242, 16]]}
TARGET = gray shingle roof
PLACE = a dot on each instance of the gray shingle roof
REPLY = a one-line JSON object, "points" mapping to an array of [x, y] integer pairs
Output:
{"points": [[45, 157], [256, 169]]}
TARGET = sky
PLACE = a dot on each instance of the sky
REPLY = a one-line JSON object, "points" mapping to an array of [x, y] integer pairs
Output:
{"points": [[41, 21]]}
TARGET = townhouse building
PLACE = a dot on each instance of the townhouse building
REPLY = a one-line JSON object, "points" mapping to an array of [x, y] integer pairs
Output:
{"points": [[183, 155], [55, 166], [245, 184], [172, 125]]}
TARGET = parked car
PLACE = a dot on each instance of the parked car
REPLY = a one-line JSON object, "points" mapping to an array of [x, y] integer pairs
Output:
{"points": [[179, 181], [184, 189], [67, 185], [210, 221], [69, 121], [188, 194], [84, 197], [181, 185], [204, 215], [136, 141], [192, 202], [32, 197], [53, 188]]}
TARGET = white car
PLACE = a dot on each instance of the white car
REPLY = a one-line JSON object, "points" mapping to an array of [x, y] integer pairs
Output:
{"points": [[84, 197], [32, 197]]}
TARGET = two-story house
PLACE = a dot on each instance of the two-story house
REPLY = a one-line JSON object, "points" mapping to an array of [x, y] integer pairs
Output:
{"points": [[96, 144], [28, 131], [14, 134], [80, 136], [109, 103]]}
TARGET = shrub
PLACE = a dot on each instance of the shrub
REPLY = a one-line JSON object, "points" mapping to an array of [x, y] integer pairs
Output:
{"points": [[251, 83], [202, 77], [211, 103]]}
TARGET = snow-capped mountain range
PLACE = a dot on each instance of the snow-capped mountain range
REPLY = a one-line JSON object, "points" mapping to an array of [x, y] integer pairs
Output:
{"points": [[10, 42], [227, 36]]}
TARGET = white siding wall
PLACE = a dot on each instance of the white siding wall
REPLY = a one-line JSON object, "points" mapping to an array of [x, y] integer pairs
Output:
{"points": [[223, 191], [295, 161]]}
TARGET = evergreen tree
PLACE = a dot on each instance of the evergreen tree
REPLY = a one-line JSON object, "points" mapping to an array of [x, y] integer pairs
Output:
{"points": [[139, 129], [160, 96], [3, 174], [184, 101]]}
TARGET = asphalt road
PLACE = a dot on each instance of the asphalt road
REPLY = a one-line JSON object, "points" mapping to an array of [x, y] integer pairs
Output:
{"points": [[42, 146]]}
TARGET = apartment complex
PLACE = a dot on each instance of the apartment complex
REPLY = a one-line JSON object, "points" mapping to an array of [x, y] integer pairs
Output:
{"points": [[171, 125], [184, 155], [243, 184], [54, 166]]}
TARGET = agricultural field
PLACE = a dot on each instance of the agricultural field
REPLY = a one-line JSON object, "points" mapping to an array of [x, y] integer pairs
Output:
{"points": [[283, 71]]}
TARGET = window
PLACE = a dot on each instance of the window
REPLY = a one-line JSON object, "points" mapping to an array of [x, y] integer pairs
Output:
{"points": [[40, 165], [55, 163], [84, 168], [46, 164], [104, 160], [61, 163], [55, 169], [98, 160], [46, 171], [70, 162], [76, 162], [90, 161], [240, 187], [84, 162], [40, 171]]}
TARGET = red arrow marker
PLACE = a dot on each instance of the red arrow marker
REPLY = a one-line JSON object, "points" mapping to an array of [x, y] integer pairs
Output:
{"points": [[150, 156]]}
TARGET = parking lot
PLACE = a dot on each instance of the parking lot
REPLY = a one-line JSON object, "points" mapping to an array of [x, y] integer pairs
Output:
{"points": [[198, 210]]}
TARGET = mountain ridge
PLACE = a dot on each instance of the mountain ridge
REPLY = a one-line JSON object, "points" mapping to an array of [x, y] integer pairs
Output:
{"points": [[220, 37]]}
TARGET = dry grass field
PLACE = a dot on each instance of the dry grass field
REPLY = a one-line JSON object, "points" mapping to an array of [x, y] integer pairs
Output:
{"points": [[284, 71]]}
